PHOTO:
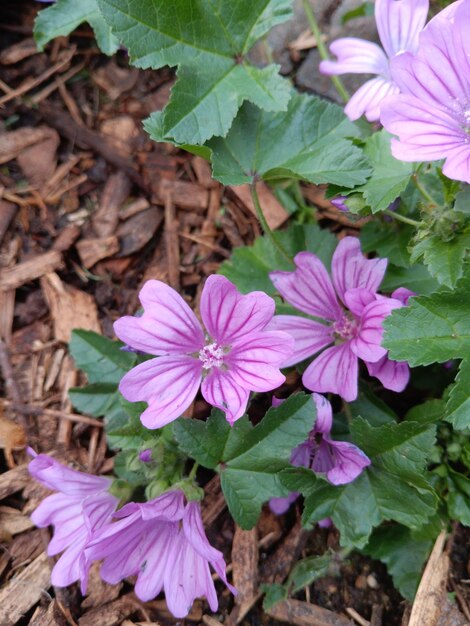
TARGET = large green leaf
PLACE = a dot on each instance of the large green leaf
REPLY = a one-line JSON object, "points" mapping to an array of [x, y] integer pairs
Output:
{"points": [[389, 177], [208, 41], [432, 328], [64, 16], [445, 260], [458, 404], [249, 459], [393, 487]]}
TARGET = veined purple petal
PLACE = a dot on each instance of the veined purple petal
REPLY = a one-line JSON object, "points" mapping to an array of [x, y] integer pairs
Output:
{"points": [[368, 99], [159, 543], [68, 568], [393, 375], [255, 364], [355, 56], [324, 420], [308, 288], [348, 462], [350, 269], [221, 390], [168, 507], [59, 477], [167, 326], [334, 371], [399, 23], [367, 343], [167, 383], [403, 294], [228, 315], [457, 165], [309, 336], [357, 299]]}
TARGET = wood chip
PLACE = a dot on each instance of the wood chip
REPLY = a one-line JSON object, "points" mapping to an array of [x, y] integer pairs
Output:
{"points": [[278, 565], [99, 592], [115, 80], [69, 307], [93, 250], [172, 242], [185, 195], [121, 132], [110, 614], [25, 272], [115, 193], [7, 213], [13, 480], [50, 616], [138, 230], [39, 161], [13, 521], [18, 51], [24, 590], [273, 210], [305, 614], [12, 437], [15, 141], [245, 570], [431, 592], [7, 312]]}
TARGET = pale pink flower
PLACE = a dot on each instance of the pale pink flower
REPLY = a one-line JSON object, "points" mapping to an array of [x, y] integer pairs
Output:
{"points": [[81, 506], [233, 355], [399, 23], [340, 462], [163, 543], [431, 115], [353, 311]]}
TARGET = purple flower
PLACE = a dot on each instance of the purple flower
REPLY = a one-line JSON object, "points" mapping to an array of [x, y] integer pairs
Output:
{"points": [[340, 203], [399, 23], [339, 461], [233, 356], [145, 455], [163, 543], [431, 116], [81, 506], [354, 313]]}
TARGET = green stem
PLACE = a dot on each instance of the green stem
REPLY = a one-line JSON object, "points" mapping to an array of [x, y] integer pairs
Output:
{"points": [[192, 473], [401, 218], [265, 226], [347, 411], [423, 191], [312, 20]]}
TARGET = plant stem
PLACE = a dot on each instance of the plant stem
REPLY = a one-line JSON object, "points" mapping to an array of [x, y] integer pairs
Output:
{"points": [[401, 218], [192, 473], [265, 225], [423, 191], [347, 411], [337, 82]]}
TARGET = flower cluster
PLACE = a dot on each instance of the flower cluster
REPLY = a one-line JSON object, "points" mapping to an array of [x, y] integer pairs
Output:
{"points": [[162, 541]]}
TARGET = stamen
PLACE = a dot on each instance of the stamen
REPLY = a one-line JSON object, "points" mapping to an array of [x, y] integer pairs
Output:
{"points": [[211, 356]]}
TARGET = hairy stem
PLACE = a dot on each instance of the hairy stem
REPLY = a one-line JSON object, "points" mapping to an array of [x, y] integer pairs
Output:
{"points": [[402, 218], [337, 82], [265, 226]]}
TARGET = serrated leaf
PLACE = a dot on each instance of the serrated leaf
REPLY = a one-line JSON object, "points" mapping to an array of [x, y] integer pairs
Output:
{"points": [[458, 498], [307, 142], [94, 399], [204, 441], [389, 176], [393, 487], [403, 555], [462, 200], [208, 41], [444, 259], [249, 266], [432, 328], [101, 359], [388, 240], [416, 278], [64, 16], [458, 404], [307, 570]]}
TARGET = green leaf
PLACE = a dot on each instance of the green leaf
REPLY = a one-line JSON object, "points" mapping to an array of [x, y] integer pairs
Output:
{"points": [[307, 142], [458, 498], [432, 328], [444, 259], [64, 16], [208, 41], [389, 176], [204, 441], [393, 487], [403, 554], [274, 593], [371, 408], [458, 404], [307, 570], [462, 201], [416, 278], [101, 359], [249, 266], [388, 240]]}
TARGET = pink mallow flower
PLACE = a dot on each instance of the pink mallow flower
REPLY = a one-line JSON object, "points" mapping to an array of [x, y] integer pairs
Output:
{"points": [[353, 312], [431, 116], [163, 543], [81, 506], [399, 23], [233, 355], [340, 462]]}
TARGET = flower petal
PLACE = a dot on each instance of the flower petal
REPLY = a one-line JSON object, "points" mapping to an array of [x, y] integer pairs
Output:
{"points": [[156, 559], [399, 23], [324, 420], [349, 462], [167, 383], [351, 269], [167, 326], [220, 390], [309, 336], [357, 299], [67, 569], [228, 315], [367, 343], [168, 507], [368, 99], [308, 288], [334, 371], [355, 56], [59, 477], [393, 375]]}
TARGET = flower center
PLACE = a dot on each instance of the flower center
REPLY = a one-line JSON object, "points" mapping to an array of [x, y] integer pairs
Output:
{"points": [[461, 110], [345, 328], [211, 356]]}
